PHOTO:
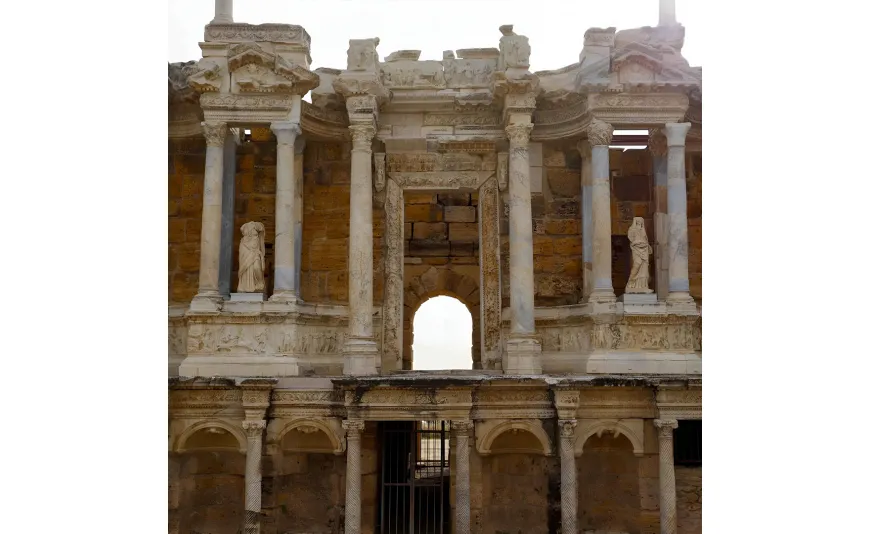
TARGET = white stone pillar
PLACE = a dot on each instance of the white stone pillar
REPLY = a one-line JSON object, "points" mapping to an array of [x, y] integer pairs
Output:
{"points": [[462, 505], [667, 13], [523, 348], [667, 483], [297, 218], [569, 476], [253, 475], [223, 12], [658, 147], [585, 150], [360, 350], [678, 231], [208, 298], [600, 135], [285, 212], [353, 474]]}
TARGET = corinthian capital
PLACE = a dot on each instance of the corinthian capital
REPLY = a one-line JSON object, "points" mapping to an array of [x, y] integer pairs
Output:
{"points": [[657, 143], [215, 133], [567, 427], [600, 133], [286, 131], [254, 429], [461, 427], [362, 135], [666, 427], [519, 134], [353, 427]]}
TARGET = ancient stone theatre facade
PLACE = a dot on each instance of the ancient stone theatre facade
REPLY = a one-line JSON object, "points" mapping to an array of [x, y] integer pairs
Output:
{"points": [[312, 212]]}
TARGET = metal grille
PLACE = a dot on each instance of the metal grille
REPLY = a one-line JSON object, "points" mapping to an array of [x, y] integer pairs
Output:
{"points": [[415, 475]]}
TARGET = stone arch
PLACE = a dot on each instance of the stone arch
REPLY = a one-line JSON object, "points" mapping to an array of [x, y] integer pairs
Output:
{"points": [[490, 431], [632, 429], [423, 282], [307, 425], [204, 426]]}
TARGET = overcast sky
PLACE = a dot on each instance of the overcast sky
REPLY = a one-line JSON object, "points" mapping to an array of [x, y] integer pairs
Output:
{"points": [[555, 29]]}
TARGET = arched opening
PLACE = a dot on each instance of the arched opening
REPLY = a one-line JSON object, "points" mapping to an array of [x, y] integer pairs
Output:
{"points": [[442, 335]]}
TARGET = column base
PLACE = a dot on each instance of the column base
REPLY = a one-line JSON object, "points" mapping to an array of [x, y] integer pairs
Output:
{"points": [[602, 296], [360, 357], [681, 303], [284, 296], [522, 356], [207, 303]]}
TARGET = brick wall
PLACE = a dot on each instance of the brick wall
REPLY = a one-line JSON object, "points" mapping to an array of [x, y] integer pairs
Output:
{"points": [[186, 170]]}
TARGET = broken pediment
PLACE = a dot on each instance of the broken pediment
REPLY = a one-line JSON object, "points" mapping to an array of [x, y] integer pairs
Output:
{"points": [[255, 70], [258, 79], [249, 54], [206, 77]]}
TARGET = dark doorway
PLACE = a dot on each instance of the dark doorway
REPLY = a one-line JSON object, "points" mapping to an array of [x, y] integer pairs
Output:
{"points": [[414, 491]]}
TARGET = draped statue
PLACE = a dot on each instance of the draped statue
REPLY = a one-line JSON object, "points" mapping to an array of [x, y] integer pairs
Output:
{"points": [[638, 281], [252, 258]]}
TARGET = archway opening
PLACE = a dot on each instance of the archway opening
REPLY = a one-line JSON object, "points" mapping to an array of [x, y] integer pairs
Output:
{"points": [[442, 335]]}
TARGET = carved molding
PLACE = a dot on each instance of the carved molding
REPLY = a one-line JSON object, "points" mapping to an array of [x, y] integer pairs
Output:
{"points": [[502, 170], [488, 431], [380, 180], [274, 33], [519, 134], [362, 135], [332, 428], [630, 428], [211, 423], [490, 274], [246, 102], [441, 179]]}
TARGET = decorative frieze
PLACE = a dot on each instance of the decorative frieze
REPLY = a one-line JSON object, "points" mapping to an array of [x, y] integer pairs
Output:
{"points": [[274, 33], [441, 180]]}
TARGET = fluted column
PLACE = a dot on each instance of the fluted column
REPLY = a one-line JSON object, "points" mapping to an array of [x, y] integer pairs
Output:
{"points": [[667, 483], [462, 507], [523, 348], [353, 484], [585, 150], [678, 231], [360, 351], [600, 135], [223, 12], [253, 475], [285, 212], [208, 298], [569, 476], [658, 147]]}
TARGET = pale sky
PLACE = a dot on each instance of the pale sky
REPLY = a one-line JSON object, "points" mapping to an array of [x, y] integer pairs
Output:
{"points": [[442, 325]]}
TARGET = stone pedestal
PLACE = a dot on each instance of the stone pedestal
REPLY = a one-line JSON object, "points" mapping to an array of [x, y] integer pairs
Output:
{"points": [[522, 355], [246, 297], [638, 298]]}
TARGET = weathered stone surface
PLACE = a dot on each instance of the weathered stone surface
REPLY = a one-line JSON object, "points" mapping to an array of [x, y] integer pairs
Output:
{"points": [[460, 213]]}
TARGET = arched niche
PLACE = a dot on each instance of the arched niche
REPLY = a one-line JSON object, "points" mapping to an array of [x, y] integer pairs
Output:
{"points": [[510, 437], [308, 435], [211, 435], [632, 429]]}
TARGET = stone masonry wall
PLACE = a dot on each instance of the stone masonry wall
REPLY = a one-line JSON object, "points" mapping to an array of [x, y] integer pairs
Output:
{"points": [[693, 213], [688, 482], [516, 493], [308, 494], [212, 489], [186, 171], [608, 486]]}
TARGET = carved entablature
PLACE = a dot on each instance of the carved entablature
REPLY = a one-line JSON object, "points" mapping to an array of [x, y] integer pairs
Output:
{"points": [[307, 403], [450, 180], [205, 400], [513, 402], [398, 403], [240, 108], [679, 401], [639, 109], [324, 122], [207, 77], [273, 33]]}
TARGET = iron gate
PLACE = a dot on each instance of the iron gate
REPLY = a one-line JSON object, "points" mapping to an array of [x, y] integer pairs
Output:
{"points": [[414, 492]]}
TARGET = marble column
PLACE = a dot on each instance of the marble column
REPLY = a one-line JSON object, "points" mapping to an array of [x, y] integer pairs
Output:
{"points": [[462, 505], [353, 473], [667, 483], [600, 134], [208, 298], [285, 212], [678, 237], [667, 13], [253, 475], [523, 348], [569, 476], [360, 350], [658, 147], [223, 12], [585, 150], [298, 164]]}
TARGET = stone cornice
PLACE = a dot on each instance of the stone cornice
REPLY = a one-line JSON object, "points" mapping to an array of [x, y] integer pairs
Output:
{"points": [[273, 33]]}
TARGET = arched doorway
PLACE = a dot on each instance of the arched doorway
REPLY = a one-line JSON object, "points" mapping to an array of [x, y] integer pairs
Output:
{"points": [[442, 330]]}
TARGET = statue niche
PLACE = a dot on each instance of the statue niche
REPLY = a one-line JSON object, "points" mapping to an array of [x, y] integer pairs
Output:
{"points": [[252, 258]]}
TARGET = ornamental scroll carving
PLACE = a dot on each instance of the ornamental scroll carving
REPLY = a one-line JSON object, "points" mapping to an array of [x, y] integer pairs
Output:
{"points": [[274, 33], [490, 274], [458, 119], [380, 171], [518, 134], [441, 180], [245, 102], [599, 133], [502, 171]]}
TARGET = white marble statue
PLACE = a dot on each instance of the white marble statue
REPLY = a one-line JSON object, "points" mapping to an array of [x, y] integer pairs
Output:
{"points": [[252, 258], [638, 281]]}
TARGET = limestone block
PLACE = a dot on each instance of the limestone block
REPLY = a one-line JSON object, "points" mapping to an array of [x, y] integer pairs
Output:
{"points": [[460, 214], [563, 183], [463, 232], [430, 231]]}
